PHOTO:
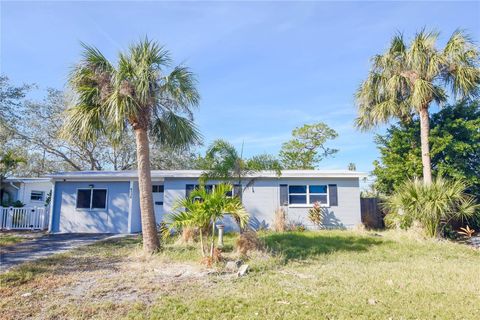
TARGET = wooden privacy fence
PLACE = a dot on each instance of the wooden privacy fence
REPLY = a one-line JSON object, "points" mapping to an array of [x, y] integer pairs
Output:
{"points": [[372, 214], [26, 218]]}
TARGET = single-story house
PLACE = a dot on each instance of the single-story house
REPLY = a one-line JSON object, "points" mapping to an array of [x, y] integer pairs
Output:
{"points": [[100, 201], [32, 192]]}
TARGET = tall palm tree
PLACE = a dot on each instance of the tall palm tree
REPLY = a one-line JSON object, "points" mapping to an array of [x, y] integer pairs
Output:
{"points": [[406, 80], [138, 92]]}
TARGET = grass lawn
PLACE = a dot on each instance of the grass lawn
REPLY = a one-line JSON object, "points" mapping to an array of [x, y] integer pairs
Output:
{"points": [[8, 239], [309, 275]]}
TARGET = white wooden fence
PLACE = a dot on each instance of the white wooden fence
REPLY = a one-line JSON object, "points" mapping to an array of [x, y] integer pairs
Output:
{"points": [[26, 218]]}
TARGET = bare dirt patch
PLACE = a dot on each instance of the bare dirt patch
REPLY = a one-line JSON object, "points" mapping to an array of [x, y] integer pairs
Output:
{"points": [[131, 280]]}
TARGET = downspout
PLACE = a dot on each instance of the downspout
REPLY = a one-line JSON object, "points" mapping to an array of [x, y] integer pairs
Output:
{"points": [[17, 196], [11, 183], [52, 205], [130, 206]]}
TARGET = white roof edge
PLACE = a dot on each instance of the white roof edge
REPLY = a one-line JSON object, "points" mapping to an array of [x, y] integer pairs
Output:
{"points": [[118, 175], [26, 179]]}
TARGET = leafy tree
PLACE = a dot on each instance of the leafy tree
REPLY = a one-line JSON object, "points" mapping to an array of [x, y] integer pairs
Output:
{"points": [[264, 161], [37, 132], [455, 141], [9, 160], [407, 80], [307, 147], [166, 158], [11, 99], [138, 92], [203, 208], [352, 166]]}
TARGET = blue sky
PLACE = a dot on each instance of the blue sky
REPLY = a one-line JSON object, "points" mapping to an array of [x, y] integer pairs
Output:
{"points": [[264, 68]]}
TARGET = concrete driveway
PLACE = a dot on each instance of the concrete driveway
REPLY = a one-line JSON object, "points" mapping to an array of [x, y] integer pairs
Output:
{"points": [[44, 246]]}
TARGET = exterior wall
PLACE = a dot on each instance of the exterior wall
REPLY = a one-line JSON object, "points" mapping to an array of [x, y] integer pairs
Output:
{"points": [[26, 189], [114, 219], [135, 220], [10, 194], [262, 199]]}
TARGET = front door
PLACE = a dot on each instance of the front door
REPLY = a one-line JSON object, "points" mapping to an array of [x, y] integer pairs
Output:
{"points": [[157, 192]]}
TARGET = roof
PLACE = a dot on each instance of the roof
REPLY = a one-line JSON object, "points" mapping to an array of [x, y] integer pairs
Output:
{"points": [[26, 180], [133, 174]]}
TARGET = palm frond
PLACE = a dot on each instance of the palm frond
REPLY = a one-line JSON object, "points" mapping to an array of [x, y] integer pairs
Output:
{"points": [[175, 131]]}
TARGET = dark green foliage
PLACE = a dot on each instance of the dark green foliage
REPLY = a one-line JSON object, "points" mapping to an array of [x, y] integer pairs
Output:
{"points": [[455, 149], [307, 146]]}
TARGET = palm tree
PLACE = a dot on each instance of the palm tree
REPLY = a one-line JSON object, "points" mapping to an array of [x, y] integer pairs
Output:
{"points": [[140, 93], [223, 162], [431, 203], [203, 208], [406, 80]]}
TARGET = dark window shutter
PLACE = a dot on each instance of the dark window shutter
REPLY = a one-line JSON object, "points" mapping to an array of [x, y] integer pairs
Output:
{"points": [[188, 189], [237, 190], [284, 195], [333, 194]]}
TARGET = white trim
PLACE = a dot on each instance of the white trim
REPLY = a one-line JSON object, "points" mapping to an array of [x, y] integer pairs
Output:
{"points": [[91, 200], [38, 191], [307, 195], [130, 207], [160, 175], [52, 205]]}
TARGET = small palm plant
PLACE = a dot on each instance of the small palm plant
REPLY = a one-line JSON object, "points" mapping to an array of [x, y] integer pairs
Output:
{"points": [[203, 208], [430, 204], [316, 214]]}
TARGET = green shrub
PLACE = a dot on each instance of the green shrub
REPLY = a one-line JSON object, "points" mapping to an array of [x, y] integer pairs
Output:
{"points": [[395, 220], [431, 204]]}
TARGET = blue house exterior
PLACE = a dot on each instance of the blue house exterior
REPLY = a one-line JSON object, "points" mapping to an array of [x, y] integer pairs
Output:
{"points": [[108, 202]]}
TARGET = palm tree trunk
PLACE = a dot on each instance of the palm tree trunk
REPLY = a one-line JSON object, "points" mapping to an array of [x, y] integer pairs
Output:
{"points": [[212, 246], [201, 243], [151, 242], [424, 132]]}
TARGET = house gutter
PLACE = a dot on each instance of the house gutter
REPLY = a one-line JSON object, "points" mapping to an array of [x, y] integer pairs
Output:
{"points": [[14, 186]]}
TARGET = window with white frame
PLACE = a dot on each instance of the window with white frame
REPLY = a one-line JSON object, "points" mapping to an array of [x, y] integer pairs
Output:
{"points": [[307, 194], [37, 196], [91, 199]]}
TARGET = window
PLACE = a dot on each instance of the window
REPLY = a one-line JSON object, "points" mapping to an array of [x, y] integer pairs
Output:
{"points": [[190, 187], [157, 188], [307, 194], [209, 187], [92, 199], [37, 195], [297, 194], [318, 194]]}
